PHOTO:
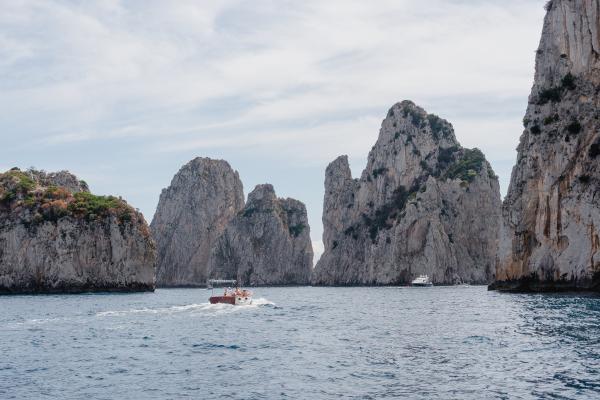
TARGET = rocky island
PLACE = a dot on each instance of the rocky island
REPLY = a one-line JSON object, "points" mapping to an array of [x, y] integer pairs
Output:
{"points": [[267, 243], [191, 215], [204, 230], [423, 205], [551, 214], [57, 237]]}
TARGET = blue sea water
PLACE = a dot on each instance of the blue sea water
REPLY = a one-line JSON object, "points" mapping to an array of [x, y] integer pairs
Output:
{"points": [[302, 343]]}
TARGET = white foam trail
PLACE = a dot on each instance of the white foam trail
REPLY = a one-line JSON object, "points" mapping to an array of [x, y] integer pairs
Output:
{"points": [[261, 301], [216, 308]]}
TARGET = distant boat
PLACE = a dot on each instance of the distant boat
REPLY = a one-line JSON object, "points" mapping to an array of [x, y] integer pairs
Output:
{"points": [[422, 280]]}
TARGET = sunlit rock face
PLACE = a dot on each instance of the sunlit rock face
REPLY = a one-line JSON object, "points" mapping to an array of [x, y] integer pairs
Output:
{"points": [[57, 237], [204, 196], [551, 214], [423, 205], [267, 243]]}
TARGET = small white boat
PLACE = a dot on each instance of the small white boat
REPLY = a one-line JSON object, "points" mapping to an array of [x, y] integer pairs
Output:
{"points": [[422, 280]]}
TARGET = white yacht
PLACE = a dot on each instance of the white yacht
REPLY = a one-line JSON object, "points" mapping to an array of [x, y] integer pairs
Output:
{"points": [[422, 280]]}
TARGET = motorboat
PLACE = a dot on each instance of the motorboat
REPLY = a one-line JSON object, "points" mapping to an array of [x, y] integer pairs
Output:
{"points": [[422, 280], [235, 297]]}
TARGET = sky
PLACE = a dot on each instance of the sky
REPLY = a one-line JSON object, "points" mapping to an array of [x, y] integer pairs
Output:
{"points": [[124, 93]]}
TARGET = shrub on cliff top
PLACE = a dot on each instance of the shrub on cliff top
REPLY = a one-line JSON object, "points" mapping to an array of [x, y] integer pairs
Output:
{"points": [[415, 117], [19, 190], [14, 184], [467, 167], [87, 204]]}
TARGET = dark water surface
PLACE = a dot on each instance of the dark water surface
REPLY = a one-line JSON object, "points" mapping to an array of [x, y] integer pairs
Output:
{"points": [[302, 343]]}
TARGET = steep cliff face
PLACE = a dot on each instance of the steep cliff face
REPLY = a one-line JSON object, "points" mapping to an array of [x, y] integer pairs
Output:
{"points": [[56, 238], [423, 205], [551, 214], [267, 243], [192, 213]]}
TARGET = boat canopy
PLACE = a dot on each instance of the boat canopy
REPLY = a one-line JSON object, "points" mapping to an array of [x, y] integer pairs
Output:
{"points": [[221, 282]]}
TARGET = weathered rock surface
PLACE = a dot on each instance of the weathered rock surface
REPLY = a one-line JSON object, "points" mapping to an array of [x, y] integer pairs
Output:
{"points": [[423, 205], [56, 237], [204, 196], [551, 214], [63, 179], [267, 243]]}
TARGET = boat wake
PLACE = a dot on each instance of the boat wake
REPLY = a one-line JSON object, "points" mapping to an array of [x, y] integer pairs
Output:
{"points": [[206, 308]]}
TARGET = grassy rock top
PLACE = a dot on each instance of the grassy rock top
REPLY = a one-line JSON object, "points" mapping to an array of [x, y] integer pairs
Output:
{"points": [[23, 193]]}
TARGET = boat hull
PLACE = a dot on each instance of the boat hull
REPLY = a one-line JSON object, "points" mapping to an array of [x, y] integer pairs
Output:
{"points": [[233, 300], [222, 300]]}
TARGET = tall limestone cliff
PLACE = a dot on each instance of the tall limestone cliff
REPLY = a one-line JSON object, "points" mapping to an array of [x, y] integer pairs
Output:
{"points": [[204, 196], [423, 205], [56, 237], [267, 243], [551, 214]]}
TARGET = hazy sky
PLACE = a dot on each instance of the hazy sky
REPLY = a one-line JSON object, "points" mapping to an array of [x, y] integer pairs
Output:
{"points": [[123, 93]]}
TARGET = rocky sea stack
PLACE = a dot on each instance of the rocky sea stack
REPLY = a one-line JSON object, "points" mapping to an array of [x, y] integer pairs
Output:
{"points": [[204, 196], [551, 214], [267, 243], [57, 237], [423, 205]]}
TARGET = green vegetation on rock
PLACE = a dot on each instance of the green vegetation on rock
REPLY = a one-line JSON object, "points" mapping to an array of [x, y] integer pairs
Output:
{"points": [[415, 117], [18, 191], [379, 171], [574, 127], [15, 184], [439, 127], [296, 230], [386, 214], [554, 94], [468, 166], [92, 206]]}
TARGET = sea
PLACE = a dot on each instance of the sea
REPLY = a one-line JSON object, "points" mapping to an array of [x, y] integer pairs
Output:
{"points": [[461, 342]]}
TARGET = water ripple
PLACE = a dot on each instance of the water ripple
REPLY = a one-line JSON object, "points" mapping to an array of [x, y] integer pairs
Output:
{"points": [[302, 343]]}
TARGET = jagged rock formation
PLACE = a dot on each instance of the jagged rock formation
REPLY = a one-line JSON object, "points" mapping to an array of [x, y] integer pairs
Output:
{"points": [[423, 204], [63, 179], [192, 213], [551, 214], [267, 243], [56, 237]]}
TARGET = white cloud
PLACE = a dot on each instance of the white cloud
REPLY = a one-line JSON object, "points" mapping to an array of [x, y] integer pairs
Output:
{"points": [[283, 81]]}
